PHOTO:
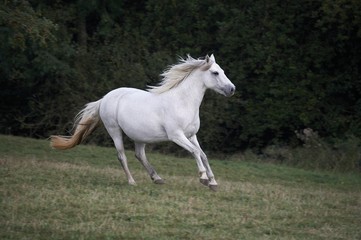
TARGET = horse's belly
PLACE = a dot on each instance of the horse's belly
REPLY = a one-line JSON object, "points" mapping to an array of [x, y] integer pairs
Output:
{"points": [[144, 132], [142, 124]]}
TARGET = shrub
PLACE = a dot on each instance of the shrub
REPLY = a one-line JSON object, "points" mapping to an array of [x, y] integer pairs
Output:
{"points": [[317, 153]]}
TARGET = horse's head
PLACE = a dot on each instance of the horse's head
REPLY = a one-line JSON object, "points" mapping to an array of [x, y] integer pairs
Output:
{"points": [[216, 80]]}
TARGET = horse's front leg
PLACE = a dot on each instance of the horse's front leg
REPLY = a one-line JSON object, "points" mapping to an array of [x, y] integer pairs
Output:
{"points": [[206, 175], [209, 174]]}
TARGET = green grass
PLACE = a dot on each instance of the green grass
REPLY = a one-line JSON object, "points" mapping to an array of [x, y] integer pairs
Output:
{"points": [[83, 194]]}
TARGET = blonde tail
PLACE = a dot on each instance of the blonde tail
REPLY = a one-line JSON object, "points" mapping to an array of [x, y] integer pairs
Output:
{"points": [[86, 121]]}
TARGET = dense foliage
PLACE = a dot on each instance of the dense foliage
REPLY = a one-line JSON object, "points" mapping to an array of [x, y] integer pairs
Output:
{"points": [[296, 64]]}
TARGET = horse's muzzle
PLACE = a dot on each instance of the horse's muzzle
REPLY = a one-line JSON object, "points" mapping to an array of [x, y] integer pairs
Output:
{"points": [[229, 90]]}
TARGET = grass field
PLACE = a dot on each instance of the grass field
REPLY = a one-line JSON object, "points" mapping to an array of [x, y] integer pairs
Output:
{"points": [[83, 194]]}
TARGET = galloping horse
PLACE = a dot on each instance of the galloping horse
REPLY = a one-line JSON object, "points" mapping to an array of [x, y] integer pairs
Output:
{"points": [[167, 112]]}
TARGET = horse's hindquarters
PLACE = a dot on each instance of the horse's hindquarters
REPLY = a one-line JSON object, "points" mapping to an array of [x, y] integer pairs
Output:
{"points": [[136, 112]]}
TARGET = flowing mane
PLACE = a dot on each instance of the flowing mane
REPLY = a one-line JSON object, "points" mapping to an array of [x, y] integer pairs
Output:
{"points": [[175, 74]]}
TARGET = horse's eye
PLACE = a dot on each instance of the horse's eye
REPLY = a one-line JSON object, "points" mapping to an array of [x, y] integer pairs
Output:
{"points": [[215, 73]]}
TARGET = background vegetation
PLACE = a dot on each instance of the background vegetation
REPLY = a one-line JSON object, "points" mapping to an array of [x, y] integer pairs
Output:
{"points": [[83, 194], [296, 65]]}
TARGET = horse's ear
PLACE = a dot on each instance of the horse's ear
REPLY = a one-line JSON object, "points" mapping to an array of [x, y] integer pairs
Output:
{"points": [[212, 58], [207, 59]]}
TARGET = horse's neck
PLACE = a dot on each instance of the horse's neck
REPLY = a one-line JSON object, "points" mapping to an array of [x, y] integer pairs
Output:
{"points": [[191, 91]]}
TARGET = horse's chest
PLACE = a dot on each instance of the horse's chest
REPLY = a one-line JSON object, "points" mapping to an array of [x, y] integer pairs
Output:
{"points": [[192, 127], [184, 118]]}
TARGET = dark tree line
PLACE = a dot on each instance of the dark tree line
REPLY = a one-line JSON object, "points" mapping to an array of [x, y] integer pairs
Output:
{"points": [[296, 64]]}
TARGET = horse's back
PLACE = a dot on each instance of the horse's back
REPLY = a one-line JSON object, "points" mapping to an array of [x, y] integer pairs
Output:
{"points": [[121, 92], [110, 101]]}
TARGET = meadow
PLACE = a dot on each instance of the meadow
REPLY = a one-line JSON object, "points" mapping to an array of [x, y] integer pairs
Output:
{"points": [[83, 194]]}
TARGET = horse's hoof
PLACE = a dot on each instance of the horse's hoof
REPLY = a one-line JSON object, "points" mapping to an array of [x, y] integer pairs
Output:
{"points": [[132, 183], [159, 181], [213, 187], [205, 182]]}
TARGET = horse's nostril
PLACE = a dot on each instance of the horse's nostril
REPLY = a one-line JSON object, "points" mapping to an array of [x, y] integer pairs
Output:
{"points": [[231, 90]]}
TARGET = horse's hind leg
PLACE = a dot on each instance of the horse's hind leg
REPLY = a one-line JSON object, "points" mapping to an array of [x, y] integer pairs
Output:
{"points": [[123, 161], [140, 155], [116, 135]]}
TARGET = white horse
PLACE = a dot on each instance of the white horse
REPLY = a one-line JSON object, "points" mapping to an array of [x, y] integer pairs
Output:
{"points": [[167, 112]]}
